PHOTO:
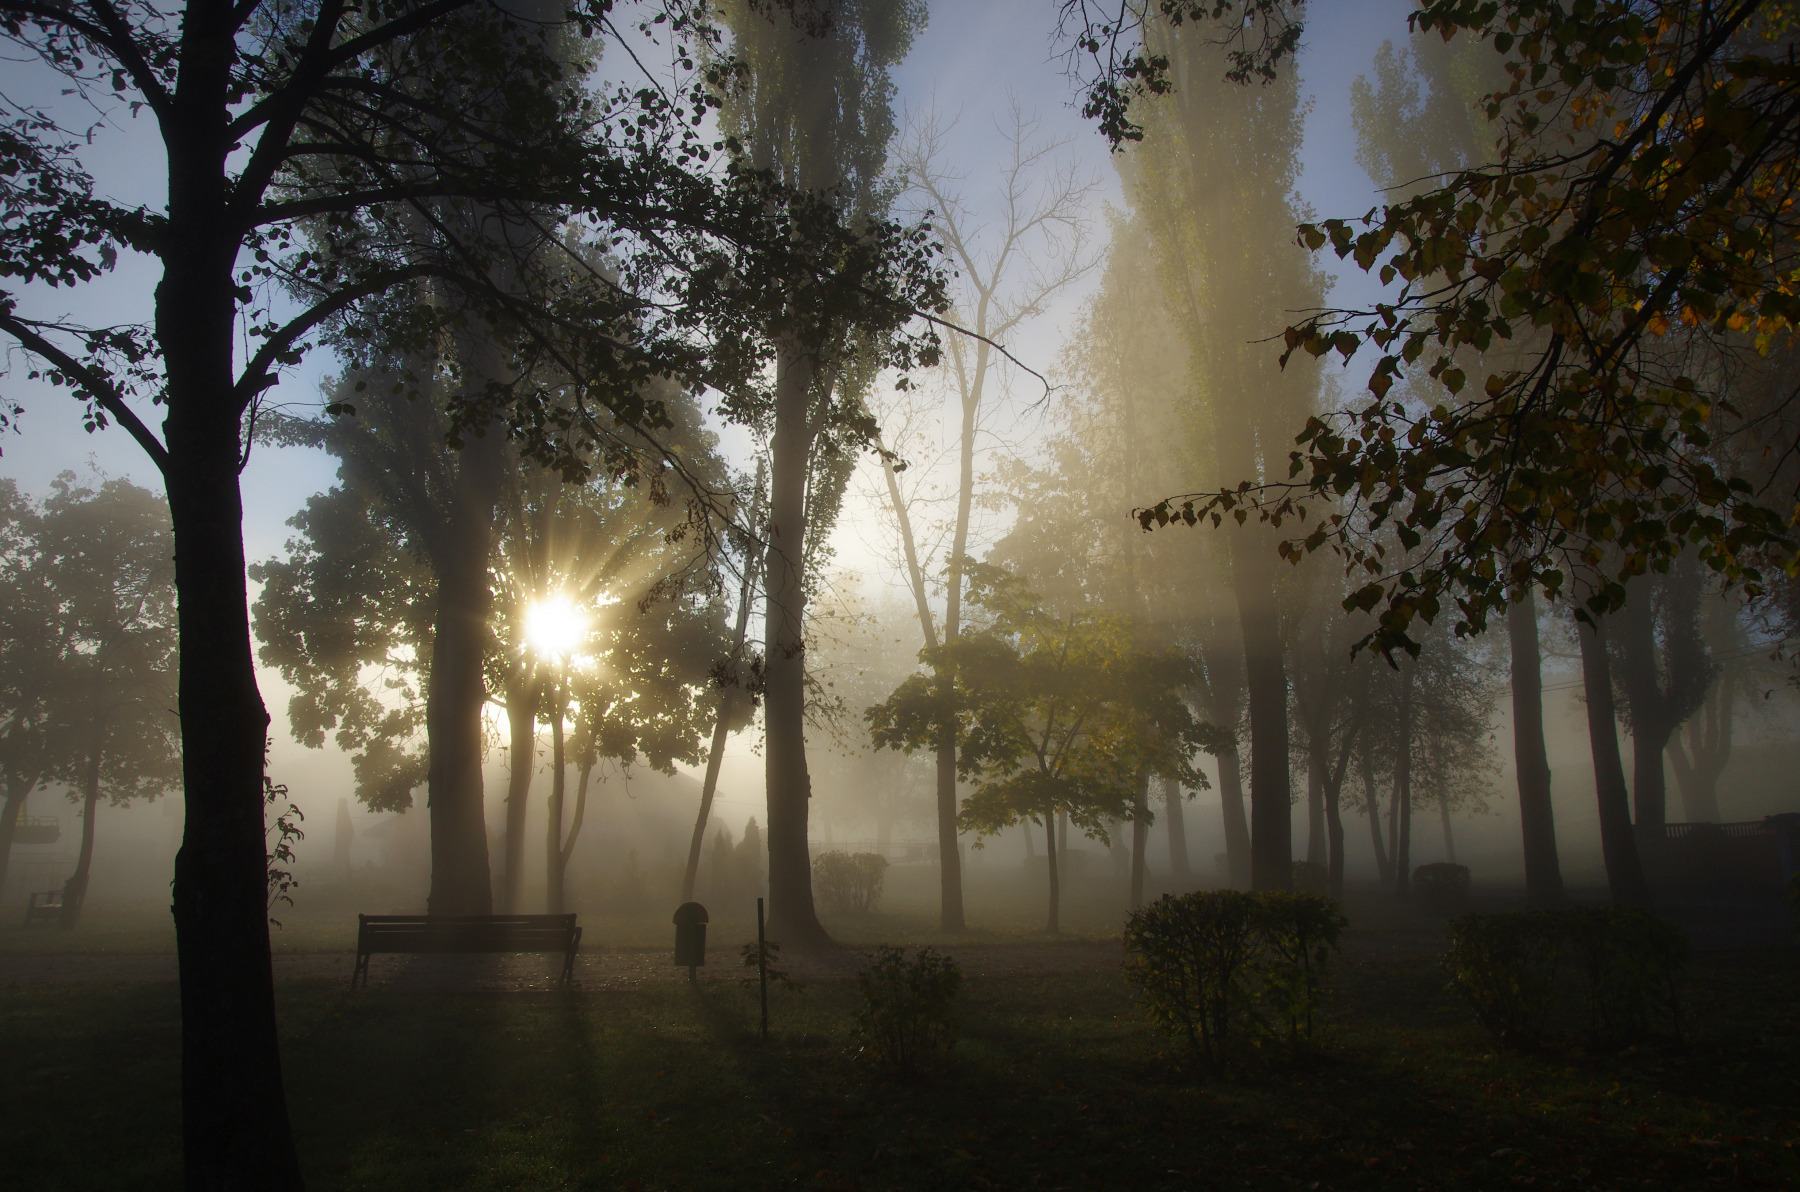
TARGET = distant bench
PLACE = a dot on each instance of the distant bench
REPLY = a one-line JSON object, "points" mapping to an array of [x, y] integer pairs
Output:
{"points": [[464, 933], [45, 905]]}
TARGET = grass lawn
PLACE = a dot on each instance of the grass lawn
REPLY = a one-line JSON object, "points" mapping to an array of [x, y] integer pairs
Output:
{"points": [[1055, 1084]]}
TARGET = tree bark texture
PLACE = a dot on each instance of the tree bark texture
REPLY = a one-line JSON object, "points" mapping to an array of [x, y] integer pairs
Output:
{"points": [[793, 920], [235, 1131], [521, 727], [460, 879], [1318, 757], [10, 814], [1701, 762], [553, 823], [1271, 828], [715, 755], [1237, 827], [1531, 759], [75, 889], [1624, 869], [1372, 801], [1181, 868]]}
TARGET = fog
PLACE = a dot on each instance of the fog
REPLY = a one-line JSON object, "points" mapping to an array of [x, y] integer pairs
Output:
{"points": [[979, 136]]}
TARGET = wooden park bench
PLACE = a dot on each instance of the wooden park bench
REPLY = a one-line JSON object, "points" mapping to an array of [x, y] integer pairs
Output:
{"points": [[46, 905], [464, 933]]}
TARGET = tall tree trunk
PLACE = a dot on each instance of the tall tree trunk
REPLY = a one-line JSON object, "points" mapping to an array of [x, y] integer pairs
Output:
{"points": [[75, 889], [570, 837], [10, 813], [1443, 803], [521, 725], [1140, 838], [1372, 801], [1709, 744], [1334, 839], [1531, 760], [1271, 828], [715, 756], [1402, 813], [1180, 868], [1237, 828], [553, 824], [457, 691], [1318, 759], [792, 918], [1624, 870], [235, 1131], [1051, 862]]}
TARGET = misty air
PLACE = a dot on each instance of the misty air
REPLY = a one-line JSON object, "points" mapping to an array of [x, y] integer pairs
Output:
{"points": [[865, 595]]}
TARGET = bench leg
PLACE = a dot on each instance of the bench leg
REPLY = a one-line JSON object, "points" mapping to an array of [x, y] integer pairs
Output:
{"points": [[360, 969]]}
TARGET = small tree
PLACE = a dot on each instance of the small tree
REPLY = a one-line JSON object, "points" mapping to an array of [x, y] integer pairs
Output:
{"points": [[91, 703], [1058, 715]]}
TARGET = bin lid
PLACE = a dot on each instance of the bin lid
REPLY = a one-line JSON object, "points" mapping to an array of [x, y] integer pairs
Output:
{"points": [[690, 913]]}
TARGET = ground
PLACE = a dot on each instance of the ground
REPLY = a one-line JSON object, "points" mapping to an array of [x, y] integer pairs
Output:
{"points": [[477, 1074]]}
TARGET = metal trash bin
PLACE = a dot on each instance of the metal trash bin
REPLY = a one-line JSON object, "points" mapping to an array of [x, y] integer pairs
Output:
{"points": [[690, 936]]}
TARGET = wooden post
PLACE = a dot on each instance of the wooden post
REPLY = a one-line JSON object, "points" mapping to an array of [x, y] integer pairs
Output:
{"points": [[762, 968]]}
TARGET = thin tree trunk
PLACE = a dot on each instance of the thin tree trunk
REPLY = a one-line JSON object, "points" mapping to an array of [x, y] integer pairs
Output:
{"points": [[521, 721], [1709, 739], [235, 1131], [1650, 728], [1271, 827], [10, 814], [1624, 870], [1180, 869], [950, 857], [1443, 803], [1054, 926], [1318, 758], [574, 832], [75, 889], [1372, 800], [553, 849], [1237, 828], [1140, 839], [457, 692], [716, 755], [792, 918], [1402, 816], [1334, 819], [1531, 759]]}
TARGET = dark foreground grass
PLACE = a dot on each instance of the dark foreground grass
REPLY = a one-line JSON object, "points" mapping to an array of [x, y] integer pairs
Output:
{"points": [[1055, 1085]]}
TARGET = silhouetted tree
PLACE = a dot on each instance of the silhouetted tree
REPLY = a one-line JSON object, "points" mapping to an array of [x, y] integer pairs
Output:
{"points": [[816, 111], [356, 124], [87, 576]]}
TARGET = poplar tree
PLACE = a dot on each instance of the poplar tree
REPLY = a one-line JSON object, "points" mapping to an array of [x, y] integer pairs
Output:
{"points": [[815, 109]]}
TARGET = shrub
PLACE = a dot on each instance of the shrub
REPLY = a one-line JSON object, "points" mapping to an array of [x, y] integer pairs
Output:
{"points": [[906, 1005], [1311, 878], [849, 882], [1205, 963], [1300, 932], [1504, 965], [1630, 960], [1627, 959], [1443, 884]]}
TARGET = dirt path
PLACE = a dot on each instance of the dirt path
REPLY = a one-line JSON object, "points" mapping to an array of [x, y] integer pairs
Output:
{"points": [[619, 968]]}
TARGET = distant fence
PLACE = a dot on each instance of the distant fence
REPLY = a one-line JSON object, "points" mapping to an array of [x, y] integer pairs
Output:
{"points": [[1722, 860]]}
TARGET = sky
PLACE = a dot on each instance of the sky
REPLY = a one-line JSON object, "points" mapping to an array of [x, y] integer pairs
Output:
{"points": [[971, 63]]}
